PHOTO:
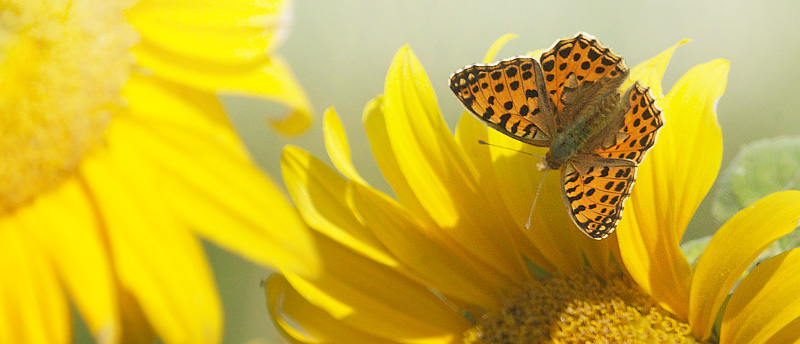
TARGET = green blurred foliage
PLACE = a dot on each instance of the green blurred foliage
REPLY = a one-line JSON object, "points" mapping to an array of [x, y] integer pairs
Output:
{"points": [[760, 168]]}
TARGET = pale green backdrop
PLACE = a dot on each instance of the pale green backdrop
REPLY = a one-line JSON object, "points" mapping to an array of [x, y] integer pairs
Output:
{"points": [[340, 52]]}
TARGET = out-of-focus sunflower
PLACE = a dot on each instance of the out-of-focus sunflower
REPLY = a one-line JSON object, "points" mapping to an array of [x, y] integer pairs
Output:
{"points": [[116, 156], [449, 260]]}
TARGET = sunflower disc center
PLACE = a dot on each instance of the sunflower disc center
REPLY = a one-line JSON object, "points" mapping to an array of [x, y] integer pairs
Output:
{"points": [[62, 67], [580, 309]]}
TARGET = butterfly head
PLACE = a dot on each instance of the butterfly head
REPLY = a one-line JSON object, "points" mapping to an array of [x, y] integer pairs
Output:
{"points": [[542, 165]]}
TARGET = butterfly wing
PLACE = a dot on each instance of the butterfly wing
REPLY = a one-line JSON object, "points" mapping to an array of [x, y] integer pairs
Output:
{"points": [[596, 184], [640, 123], [580, 73], [507, 96], [595, 190]]}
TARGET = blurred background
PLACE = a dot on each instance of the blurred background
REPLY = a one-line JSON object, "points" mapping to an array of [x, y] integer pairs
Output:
{"points": [[340, 52]]}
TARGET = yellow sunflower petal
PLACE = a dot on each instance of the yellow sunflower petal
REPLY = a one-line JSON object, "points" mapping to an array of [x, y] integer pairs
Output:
{"points": [[671, 182], [221, 46], [495, 47], [468, 131], [64, 222], [732, 249], [552, 232], [220, 32], [692, 139], [33, 309], [437, 171], [270, 80], [287, 308], [320, 195], [337, 146], [765, 302], [651, 71], [156, 258], [215, 186], [408, 92], [453, 273], [378, 137], [789, 334], [375, 298]]}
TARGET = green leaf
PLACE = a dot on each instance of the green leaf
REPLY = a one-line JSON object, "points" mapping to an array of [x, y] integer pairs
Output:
{"points": [[760, 168]]}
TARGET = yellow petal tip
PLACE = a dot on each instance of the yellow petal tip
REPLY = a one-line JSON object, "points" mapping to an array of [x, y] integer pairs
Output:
{"points": [[293, 124], [331, 111], [495, 47]]}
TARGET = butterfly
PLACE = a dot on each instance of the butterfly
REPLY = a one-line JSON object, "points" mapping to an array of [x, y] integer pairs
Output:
{"points": [[569, 100]]}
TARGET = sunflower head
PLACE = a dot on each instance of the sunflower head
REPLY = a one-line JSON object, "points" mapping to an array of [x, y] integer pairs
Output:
{"points": [[113, 143], [62, 66], [448, 258]]}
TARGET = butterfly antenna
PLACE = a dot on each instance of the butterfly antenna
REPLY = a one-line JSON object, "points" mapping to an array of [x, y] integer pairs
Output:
{"points": [[511, 149], [530, 216]]}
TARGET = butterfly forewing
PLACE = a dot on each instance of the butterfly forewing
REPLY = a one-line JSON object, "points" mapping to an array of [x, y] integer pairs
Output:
{"points": [[595, 190], [640, 126], [578, 60], [505, 95]]}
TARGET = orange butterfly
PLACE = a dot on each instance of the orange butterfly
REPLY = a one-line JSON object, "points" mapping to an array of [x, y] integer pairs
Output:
{"points": [[568, 101]]}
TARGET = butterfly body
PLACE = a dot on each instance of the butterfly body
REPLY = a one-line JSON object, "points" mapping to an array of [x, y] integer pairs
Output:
{"points": [[576, 137], [568, 101]]}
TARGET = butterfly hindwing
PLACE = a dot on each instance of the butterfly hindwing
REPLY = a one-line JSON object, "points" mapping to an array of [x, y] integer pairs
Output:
{"points": [[506, 96], [595, 190], [640, 124]]}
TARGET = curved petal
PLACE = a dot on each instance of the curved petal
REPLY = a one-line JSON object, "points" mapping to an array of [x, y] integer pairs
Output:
{"points": [[732, 249], [671, 182], [320, 195], [222, 46], [437, 171], [378, 137], [552, 231], [789, 334], [271, 80], [287, 308], [692, 138], [34, 309], [64, 222], [495, 47], [374, 298], [337, 146], [468, 132], [454, 273], [419, 138], [220, 32], [765, 302], [212, 182], [156, 258], [651, 71]]}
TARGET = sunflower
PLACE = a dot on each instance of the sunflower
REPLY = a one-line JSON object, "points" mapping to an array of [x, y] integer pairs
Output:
{"points": [[116, 156], [448, 258]]}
